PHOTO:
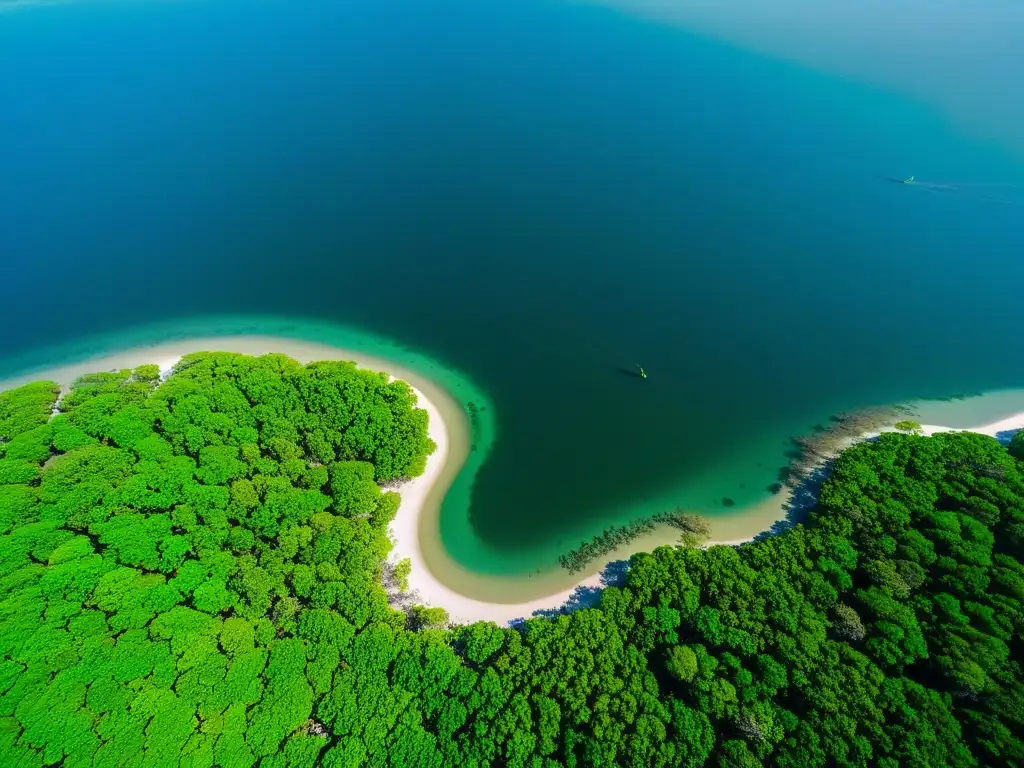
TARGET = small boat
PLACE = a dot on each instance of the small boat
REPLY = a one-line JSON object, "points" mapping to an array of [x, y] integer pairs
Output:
{"points": [[908, 180], [643, 373]]}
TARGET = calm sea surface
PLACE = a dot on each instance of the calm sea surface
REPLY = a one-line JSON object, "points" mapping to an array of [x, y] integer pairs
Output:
{"points": [[538, 194]]}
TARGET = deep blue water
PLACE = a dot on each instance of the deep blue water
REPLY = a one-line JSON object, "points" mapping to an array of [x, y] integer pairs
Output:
{"points": [[539, 194]]}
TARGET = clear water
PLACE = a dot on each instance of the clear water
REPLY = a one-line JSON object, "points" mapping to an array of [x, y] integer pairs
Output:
{"points": [[537, 195]]}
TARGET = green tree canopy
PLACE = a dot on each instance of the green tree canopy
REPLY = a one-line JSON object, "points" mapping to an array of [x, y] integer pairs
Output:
{"points": [[192, 574]]}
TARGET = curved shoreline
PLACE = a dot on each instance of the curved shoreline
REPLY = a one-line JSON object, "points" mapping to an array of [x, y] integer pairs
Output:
{"points": [[436, 578], [415, 532], [419, 512], [464, 408]]}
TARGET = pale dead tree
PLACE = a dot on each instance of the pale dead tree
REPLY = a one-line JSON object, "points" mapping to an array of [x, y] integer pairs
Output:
{"points": [[748, 726], [847, 623], [316, 728]]}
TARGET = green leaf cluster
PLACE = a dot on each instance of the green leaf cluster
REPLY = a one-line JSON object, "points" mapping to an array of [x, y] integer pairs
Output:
{"points": [[190, 570], [191, 574]]}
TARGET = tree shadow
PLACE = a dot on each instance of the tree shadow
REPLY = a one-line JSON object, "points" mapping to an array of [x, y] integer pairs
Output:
{"points": [[804, 495], [584, 596], [614, 574], [803, 499]]}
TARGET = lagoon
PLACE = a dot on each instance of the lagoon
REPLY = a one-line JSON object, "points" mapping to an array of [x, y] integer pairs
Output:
{"points": [[535, 195]]}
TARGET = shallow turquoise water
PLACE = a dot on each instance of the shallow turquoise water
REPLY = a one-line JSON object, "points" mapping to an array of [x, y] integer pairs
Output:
{"points": [[537, 195]]}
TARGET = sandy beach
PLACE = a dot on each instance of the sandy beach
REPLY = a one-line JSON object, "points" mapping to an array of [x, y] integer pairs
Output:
{"points": [[436, 579], [418, 515], [555, 589], [998, 429]]}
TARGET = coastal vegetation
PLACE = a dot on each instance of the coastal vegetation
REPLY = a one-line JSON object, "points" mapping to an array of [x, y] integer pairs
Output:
{"points": [[693, 530], [907, 425], [193, 573], [813, 452]]}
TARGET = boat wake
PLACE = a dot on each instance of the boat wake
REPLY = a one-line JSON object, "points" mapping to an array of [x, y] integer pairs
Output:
{"points": [[992, 192]]}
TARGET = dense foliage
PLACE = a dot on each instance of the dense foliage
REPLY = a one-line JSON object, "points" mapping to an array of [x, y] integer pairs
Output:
{"points": [[189, 570], [190, 574]]}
